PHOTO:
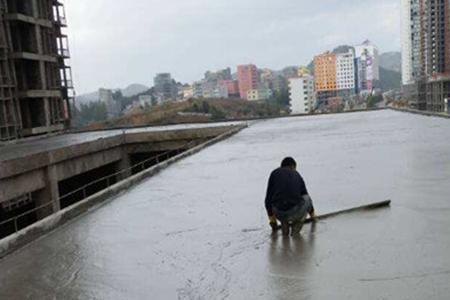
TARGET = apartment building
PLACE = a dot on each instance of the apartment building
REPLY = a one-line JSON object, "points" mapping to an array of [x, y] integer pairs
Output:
{"points": [[345, 71], [248, 79], [368, 66], [259, 94], [325, 72], [426, 49], [301, 94], [165, 87]]}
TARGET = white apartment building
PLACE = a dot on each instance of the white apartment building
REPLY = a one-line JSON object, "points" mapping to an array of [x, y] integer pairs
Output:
{"points": [[406, 32], [301, 92], [414, 40], [345, 71], [112, 106]]}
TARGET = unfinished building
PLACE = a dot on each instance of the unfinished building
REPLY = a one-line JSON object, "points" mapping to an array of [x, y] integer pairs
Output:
{"points": [[35, 79]]}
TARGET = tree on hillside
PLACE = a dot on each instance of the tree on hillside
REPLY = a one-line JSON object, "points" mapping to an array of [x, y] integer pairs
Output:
{"points": [[89, 113], [390, 80], [280, 98], [342, 49]]}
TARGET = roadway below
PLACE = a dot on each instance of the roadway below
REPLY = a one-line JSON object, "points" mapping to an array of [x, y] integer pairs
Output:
{"points": [[198, 230]]}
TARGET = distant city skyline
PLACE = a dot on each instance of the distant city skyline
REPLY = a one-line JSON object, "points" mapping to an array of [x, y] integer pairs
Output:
{"points": [[129, 42]]}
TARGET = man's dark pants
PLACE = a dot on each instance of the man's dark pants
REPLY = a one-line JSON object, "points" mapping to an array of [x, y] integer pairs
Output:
{"points": [[294, 217]]}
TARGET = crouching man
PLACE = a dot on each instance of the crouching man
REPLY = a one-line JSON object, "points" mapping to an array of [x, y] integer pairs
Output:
{"points": [[287, 199]]}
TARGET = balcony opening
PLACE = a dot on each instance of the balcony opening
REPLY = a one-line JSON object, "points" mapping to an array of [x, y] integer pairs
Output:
{"points": [[17, 213], [33, 113], [77, 188]]}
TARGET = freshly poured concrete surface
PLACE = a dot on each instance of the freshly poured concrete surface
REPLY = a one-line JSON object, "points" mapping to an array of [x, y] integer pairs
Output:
{"points": [[199, 229]]}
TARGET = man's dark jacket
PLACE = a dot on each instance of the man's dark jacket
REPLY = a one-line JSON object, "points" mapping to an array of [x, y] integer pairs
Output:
{"points": [[285, 190]]}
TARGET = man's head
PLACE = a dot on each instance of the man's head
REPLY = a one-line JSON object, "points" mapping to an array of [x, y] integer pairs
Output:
{"points": [[289, 163]]}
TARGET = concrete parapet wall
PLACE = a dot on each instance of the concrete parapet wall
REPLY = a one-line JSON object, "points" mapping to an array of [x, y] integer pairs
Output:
{"points": [[421, 112], [31, 233]]}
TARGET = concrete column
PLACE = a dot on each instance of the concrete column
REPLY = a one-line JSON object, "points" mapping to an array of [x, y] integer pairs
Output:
{"points": [[49, 194], [124, 164], [54, 190]]}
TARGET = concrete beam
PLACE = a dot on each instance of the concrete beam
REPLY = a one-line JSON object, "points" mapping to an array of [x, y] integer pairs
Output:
{"points": [[40, 94], [36, 161], [28, 19], [34, 56], [43, 129], [19, 185], [86, 163]]}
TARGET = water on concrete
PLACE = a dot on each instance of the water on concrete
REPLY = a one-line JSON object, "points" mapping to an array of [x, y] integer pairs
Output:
{"points": [[199, 230]]}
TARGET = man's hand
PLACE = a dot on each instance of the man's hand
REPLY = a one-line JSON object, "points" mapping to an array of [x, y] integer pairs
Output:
{"points": [[273, 223], [313, 216]]}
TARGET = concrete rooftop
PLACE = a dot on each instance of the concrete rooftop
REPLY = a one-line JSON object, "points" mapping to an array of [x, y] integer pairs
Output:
{"points": [[37, 145], [199, 230]]}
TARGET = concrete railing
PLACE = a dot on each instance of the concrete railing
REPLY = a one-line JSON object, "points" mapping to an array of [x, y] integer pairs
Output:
{"points": [[422, 112]]}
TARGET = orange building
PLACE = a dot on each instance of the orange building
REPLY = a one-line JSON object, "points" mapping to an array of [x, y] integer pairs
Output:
{"points": [[248, 79], [325, 72]]}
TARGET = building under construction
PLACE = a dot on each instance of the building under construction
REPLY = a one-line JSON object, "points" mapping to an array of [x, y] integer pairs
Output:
{"points": [[426, 53], [35, 80]]}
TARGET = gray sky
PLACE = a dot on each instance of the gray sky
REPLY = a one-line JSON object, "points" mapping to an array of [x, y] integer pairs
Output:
{"points": [[114, 43]]}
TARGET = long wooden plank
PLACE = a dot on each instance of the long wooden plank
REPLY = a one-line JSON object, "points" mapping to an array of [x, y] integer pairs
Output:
{"points": [[376, 205], [372, 206]]}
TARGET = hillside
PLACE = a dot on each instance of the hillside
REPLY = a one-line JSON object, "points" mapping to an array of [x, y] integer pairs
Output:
{"points": [[391, 61], [131, 90], [389, 79], [193, 111]]}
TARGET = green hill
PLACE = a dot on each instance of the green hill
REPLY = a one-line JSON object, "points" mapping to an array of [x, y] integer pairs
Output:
{"points": [[389, 79]]}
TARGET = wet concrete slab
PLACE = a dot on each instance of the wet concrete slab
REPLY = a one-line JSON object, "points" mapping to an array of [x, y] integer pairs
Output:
{"points": [[199, 230], [33, 146]]}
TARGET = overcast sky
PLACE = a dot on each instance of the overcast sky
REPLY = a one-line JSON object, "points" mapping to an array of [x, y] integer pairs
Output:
{"points": [[114, 43]]}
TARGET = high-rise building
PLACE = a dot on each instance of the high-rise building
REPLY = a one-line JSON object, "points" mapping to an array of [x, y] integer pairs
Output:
{"points": [[165, 87], [368, 66], [334, 76], [112, 106], [437, 56], [325, 72], [426, 48], [35, 79], [345, 71], [301, 91], [407, 29], [248, 79]]}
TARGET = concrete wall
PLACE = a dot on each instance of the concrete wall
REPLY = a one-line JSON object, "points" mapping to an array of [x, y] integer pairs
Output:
{"points": [[422, 112]]}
